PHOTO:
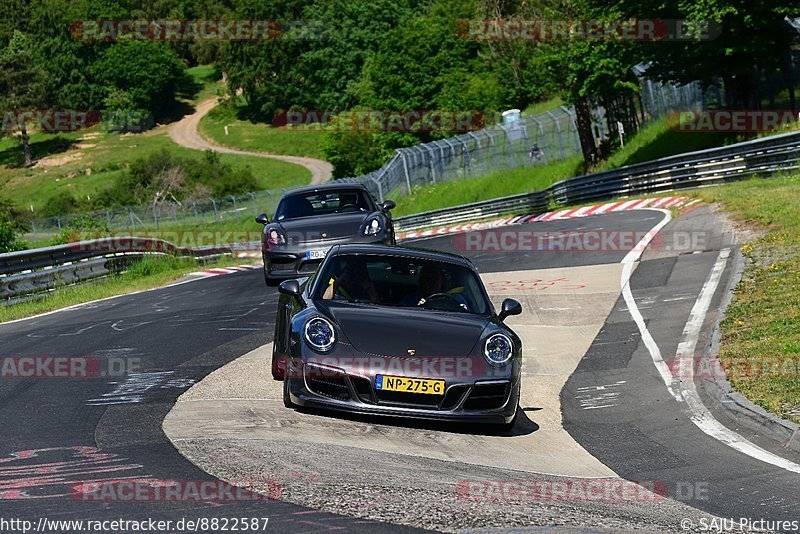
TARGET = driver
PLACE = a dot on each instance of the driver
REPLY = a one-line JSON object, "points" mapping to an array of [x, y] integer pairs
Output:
{"points": [[430, 283]]}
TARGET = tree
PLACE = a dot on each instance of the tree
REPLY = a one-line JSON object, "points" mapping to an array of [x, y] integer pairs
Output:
{"points": [[22, 86], [735, 38]]}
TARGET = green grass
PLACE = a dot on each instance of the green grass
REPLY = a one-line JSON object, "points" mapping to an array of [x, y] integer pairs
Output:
{"points": [[658, 140], [540, 107], [442, 195], [760, 347], [207, 81], [91, 160], [149, 273], [260, 137]]}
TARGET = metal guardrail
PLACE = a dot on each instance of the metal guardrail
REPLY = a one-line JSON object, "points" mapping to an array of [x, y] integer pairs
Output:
{"points": [[759, 157], [535, 202], [30, 272]]}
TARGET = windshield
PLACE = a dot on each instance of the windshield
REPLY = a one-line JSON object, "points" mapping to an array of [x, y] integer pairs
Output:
{"points": [[404, 282], [323, 203]]}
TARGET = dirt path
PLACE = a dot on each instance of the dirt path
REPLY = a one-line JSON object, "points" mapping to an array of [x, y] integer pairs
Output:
{"points": [[186, 133]]}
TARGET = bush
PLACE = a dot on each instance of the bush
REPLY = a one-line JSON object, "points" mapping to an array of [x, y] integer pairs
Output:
{"points": [[8, 238], [164, 177], [80, 228], [60, 204]]}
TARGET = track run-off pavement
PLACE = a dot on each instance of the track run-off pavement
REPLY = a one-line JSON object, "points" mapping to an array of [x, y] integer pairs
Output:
{"points": [[596, 406]]}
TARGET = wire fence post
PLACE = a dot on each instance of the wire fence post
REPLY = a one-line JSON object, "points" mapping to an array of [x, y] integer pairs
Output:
{"points": [[405, 171]]}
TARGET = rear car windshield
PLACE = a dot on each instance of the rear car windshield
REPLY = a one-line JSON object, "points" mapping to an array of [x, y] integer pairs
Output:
{"points": [[404, 282], [323, 203]]}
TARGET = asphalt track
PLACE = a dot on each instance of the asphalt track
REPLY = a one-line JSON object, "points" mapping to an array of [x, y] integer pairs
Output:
{"points": [[182, 333]]}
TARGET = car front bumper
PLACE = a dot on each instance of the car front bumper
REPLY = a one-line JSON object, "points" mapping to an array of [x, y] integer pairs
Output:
{"points": [[484, 400]]}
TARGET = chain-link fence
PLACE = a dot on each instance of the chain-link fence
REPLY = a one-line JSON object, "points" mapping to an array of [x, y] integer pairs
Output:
{"points": [[532, 140], [235, 210]]}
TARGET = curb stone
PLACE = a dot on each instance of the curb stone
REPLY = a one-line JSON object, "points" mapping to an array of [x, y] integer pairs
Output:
{"points": [[743, 410]]}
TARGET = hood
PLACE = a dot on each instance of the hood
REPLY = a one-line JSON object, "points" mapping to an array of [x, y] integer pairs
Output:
{"points": [[336, 225], [393, 331]]}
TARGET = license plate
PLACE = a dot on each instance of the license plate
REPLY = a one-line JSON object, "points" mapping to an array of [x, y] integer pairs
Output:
{"points": [[409, 385], [316, 254]]}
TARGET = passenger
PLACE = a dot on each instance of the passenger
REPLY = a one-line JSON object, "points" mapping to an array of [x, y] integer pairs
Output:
{"points": [[353, 284]]}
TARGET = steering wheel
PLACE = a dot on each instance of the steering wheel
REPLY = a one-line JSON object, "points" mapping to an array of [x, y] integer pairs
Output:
{"points": [[445, 297], [349, 207]]}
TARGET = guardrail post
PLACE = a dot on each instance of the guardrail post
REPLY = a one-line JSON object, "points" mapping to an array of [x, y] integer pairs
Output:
{"points": [[233, 198], [133, 223], [155, 215], [216, 214], [253, 197]]}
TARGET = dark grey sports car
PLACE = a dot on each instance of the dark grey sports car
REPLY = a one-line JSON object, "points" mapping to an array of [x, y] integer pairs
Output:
{"points": [[310, 220], [397, 331]]}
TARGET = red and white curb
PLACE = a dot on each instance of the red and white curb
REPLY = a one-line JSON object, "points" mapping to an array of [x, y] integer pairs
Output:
{"points": [[220, 271], [572, 213]]}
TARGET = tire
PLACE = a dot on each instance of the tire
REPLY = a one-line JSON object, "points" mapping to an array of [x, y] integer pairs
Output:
{"points": [[287, 400], [270, 282], [276, 375], [508, 427]]}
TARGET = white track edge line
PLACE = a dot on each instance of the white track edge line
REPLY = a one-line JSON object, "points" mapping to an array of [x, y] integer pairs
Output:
{"points": [[698, 413]]}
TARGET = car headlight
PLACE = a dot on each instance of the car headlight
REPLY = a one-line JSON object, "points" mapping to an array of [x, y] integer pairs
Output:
{"points": [[373, 227], [274, 237], [319, 333], [498, 349]]}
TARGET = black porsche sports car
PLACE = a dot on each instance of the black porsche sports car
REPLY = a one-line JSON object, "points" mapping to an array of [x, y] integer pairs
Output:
{"points": [[310, 220], [397, 331]]}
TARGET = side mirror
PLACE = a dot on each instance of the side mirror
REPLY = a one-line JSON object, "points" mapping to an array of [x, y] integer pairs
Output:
{"points": [[262, 219], [388, 205], [510, 307], [290, 288]]}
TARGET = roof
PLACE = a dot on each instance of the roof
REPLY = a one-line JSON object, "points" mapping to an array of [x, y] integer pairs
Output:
{"points": [[326, 187], [406, 252]]}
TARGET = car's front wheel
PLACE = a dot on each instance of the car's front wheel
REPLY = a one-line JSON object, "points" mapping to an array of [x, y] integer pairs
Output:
{"points": [[270, 282], [287, 399], [508, 427]]}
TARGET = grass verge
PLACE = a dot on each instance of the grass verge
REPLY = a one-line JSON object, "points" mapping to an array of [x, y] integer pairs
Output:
{"points": [[149, 273], [260, 137], [760, 348]]}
